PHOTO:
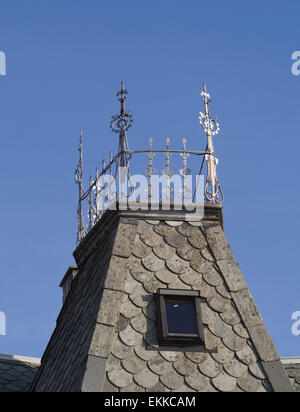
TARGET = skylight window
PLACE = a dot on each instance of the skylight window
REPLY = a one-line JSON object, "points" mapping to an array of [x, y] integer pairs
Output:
{"points": [[179, 317]]}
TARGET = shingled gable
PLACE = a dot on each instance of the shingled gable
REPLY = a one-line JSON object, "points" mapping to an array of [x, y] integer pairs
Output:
{"points": [[108, 319]]}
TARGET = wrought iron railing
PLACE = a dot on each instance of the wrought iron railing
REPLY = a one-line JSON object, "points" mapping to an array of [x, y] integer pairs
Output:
{"points": [[175, 169]]}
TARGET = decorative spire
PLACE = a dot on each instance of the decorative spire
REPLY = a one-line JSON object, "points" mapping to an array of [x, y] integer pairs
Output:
{"points": [[211, 127], [78, 181], [113, 180], [120, 124]]}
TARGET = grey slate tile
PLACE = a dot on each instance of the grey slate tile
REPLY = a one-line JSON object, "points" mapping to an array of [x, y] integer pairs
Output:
{"points": [[122, 339], [16, 376]]}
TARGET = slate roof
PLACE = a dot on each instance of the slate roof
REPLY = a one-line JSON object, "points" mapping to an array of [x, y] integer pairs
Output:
{"points": [[292, 367], [17, 373], [166, 255], [109, 316]]}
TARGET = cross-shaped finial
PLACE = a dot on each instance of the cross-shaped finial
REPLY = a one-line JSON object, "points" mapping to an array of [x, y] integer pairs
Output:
{"points": [[206, 99], [121, 122], [123, 92]]}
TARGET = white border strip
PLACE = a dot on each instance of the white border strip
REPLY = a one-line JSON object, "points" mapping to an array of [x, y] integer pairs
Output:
{"points": [[290, 360], [35, 361]]}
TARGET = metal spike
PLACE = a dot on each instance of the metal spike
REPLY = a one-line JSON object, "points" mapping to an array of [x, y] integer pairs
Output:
{"points": [[150, 171], [103, 166], [90, 200], [110, 164], [78, 181], [120, 124], [211, 127], [96, 199], [168, 172]]}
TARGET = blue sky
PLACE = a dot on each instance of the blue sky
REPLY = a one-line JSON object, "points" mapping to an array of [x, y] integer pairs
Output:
{"points": [[65, 61]]}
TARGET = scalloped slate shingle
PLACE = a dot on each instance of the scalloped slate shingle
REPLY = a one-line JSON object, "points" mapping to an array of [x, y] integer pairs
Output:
{"points": [[109, 317], [293, 371], [16, 375]]}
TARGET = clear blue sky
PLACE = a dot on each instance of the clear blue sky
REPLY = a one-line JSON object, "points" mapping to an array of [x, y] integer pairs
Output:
{"points": [[65, 61]]}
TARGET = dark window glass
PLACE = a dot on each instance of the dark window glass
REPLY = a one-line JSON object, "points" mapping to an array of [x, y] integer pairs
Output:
{"points": [[181, 316]]}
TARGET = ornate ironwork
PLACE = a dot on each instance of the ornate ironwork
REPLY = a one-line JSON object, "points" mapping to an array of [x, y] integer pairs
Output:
{"points": [[78, 180], [120, 124], [213, 192], [150, 171], [106, 187], [184, 172]]}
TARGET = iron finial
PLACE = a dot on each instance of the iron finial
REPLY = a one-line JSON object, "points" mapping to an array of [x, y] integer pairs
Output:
{"points": [[122, 93], [120, 124], [123, 121], [78, 181], [211, 127]]}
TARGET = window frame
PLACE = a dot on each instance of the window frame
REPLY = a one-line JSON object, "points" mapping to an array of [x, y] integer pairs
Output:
{"points": [[182, 339]]}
